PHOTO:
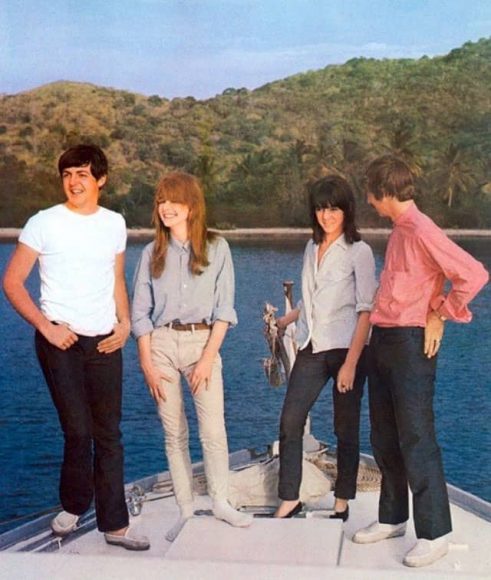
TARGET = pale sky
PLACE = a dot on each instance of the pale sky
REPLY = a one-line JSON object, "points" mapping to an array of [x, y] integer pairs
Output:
{"points": [[201, 47]]}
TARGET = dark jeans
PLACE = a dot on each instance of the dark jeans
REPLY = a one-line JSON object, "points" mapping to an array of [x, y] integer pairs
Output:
{"points": [[401, 386], [309, 375], [86, 389]]}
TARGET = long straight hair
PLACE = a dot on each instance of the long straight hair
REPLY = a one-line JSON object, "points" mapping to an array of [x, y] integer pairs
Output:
{"points": [[180, 187], [333, 191]]}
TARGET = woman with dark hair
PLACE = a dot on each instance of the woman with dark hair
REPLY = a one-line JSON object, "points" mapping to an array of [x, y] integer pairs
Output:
{"points": [[183, 304], [338, 288]]}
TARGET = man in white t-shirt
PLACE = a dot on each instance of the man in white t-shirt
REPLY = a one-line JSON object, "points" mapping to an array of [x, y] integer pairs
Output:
{"points": [[81, 326]]}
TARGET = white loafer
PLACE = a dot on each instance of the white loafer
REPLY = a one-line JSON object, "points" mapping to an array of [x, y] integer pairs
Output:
{"points": [[376, 532], [129, 541], [64, 523], [426, 552]]}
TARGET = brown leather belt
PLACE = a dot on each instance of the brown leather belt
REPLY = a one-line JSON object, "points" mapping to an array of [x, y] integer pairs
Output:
{"points": [[190, 326]]}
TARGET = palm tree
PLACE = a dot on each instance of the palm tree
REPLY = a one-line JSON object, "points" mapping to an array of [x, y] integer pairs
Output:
{"points": [[453, 175], [207, 171], [402, 144], [252, 164]]}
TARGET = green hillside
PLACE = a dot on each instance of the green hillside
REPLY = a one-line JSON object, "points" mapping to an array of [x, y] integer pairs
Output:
{"points": [[256, 150]]}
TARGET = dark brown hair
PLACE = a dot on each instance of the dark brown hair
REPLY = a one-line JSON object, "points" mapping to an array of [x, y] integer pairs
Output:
{"points": [[333, 191], [389, 176], [180, 187], [82, 155]]}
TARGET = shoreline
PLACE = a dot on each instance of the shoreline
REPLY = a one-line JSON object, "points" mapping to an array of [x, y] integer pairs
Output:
{"points": [[258, 234]]}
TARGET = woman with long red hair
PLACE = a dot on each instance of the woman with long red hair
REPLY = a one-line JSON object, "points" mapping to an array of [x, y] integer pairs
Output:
{"points": [[182, 307]]}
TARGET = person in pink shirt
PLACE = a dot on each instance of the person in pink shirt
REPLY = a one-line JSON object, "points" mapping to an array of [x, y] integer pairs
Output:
{"points": [[411, 307]]}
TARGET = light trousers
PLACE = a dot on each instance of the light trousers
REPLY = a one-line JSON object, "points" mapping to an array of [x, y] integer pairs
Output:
{"points": [[175, 354]]}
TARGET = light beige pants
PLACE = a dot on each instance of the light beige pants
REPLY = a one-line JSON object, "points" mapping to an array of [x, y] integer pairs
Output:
{"points": [[175, 353]]}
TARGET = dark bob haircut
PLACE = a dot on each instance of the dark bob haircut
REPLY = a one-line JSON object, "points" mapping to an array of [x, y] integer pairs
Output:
{"points": [[82, 155], [333, 191], [389, 176]]}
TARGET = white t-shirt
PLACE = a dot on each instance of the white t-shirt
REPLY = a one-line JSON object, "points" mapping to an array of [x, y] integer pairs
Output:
{"points": [[77, 255]]}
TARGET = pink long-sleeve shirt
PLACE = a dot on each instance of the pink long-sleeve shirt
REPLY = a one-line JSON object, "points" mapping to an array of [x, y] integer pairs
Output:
{"points": [[418, 260]]}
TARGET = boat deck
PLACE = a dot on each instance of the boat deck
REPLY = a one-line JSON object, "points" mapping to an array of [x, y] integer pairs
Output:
{"points": [[312, 546]]}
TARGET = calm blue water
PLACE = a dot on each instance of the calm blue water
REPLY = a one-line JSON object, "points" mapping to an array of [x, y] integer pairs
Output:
{"points": [[30, 438]]}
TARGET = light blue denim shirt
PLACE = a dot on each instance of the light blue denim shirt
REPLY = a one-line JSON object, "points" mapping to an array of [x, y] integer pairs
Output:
{"points": [[178, 294], [334, 293]]}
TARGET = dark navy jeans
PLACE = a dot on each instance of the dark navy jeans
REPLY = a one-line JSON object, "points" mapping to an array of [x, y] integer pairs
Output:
{"points": [[309, 375], [86, 390], [401, 386]]}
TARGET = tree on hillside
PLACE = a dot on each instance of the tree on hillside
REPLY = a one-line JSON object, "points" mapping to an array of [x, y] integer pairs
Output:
{"points": [[206, 167], [291, 189], [453, 175], [25, 191], [254, 179], [255, 150], [252, 164], [323, 152], [300, 149], [353, 162], [206, 170], [402, 143]]}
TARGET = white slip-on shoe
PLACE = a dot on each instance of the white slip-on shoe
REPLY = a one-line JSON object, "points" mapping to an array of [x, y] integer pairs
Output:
{"points": [[129, 541], [376, 532], [64, 523], [426, 552]]}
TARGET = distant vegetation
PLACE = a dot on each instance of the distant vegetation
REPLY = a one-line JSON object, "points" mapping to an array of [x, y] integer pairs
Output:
{"points": [[256, 150]]}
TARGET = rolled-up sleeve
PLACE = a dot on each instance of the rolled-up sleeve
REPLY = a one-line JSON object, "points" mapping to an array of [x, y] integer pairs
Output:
{"points": [[467, 276], [223, 306], [365, 281], [143, 303]]}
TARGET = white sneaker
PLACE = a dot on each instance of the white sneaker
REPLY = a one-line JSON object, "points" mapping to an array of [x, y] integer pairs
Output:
{"points": [[426, 552], [377, 531], [64, 523]]}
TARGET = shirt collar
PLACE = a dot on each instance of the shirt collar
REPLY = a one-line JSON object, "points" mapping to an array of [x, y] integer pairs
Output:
{"points": [[341, 242], [180, 246], [407, 216]]}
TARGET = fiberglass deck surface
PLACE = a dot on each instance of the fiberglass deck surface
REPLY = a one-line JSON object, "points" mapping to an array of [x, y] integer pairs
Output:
{"points": [[310, 547]]}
